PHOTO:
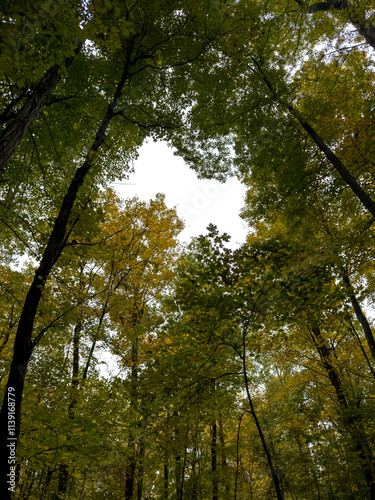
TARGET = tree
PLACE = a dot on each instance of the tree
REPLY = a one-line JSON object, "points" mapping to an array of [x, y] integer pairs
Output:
{"points": [[103, 301], [208, 280], [247, 372], [263, 94], [358, 15], [140, 44], [26, 28]]}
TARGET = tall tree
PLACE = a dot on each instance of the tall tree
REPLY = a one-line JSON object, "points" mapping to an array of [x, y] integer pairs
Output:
{"points": [[140, 44]]}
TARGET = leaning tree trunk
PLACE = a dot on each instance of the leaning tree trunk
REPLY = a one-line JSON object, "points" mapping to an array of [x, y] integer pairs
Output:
{"points": [[360, 315], [335, 161], [20, 123], [23, 345], [359, 21], [337, 164]]}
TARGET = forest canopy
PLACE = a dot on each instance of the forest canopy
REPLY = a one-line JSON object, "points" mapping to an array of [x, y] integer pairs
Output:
{"points": [[244, 373]]}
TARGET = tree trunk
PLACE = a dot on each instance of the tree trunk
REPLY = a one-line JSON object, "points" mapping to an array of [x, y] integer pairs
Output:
{"points": [[18, 126], [366, 29], [350, 419], [363, 26], [63, 482], [166, 478], [23, 345], [93, 345], [63, 468], [46, 482], [140, 472], [223, 456], [274, 474], [359, 315], [132, 462], [130, 472], [178, 477], [337, 164], [178, 466], [214, 462]]}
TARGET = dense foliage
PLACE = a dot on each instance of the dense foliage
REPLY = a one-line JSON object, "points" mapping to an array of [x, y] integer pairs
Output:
{"points": [[151, 371]]}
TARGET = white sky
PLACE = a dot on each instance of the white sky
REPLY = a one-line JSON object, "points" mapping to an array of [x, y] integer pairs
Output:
{"points": [[198, 202]]}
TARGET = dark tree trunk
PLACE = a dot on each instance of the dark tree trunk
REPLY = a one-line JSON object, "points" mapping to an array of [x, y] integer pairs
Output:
{"points": [[337, 164], [93, 345], [363, 26], [223, 456], [360, 315], [366, 29], [140, 473], [178, 478], [23, 345], [166, 478], [46, 482], [130, 473], [63, 468], [18, 126], [132, 462], [63, 482], [274, 474], [214, 462], [178, 468], [350, 419]]}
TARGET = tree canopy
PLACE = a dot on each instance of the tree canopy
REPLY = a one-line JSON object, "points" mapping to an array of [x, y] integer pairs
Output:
{"points": [[136, 367]]}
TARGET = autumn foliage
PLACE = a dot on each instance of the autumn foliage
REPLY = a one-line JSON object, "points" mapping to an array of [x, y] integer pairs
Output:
{"points": [[133, 366]]}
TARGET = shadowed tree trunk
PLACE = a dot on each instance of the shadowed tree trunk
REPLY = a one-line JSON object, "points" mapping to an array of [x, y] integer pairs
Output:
{"points": [[23, 345], [350, 419], [214, 462], [337, 164], [19, 124], [274, 473], [363, 25], [223, 456]]}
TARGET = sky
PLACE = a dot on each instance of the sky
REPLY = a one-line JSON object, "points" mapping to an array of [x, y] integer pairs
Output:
{"points": [[198, 202]]}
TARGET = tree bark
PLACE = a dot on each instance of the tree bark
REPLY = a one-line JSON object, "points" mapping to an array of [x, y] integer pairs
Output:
{"points": [[178, 466], [63, 482], [178, 478], [337, 164], [166, 479], [18, 126], [223, 456], [140, 472], [132, 462], [364, 28], [129, 476], [63, 468]]}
